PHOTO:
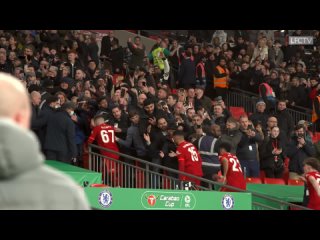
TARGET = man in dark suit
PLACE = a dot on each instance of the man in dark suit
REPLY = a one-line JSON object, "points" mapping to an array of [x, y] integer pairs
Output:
{"points": [[60, 138]]}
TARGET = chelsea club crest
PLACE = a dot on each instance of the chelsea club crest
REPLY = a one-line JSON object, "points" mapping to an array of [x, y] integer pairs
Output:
{"points": [[105, 198], [227, 202]]}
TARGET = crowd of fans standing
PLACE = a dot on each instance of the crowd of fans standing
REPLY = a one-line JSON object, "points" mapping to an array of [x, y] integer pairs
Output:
{"points": [[146, 96]]}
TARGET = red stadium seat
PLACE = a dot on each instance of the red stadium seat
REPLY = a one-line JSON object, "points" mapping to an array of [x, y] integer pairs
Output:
{"points": [[274, 181], [99, 185], [316, 137], [253, 180], [295, 182], [236, 112]]}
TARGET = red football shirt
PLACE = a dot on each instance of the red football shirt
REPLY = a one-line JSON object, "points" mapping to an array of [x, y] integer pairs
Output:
{"points": [[105, 136], [189, 160], [234, 175], [314, 199]]}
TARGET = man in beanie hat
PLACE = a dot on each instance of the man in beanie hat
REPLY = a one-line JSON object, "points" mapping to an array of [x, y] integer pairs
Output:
{"points": [[260, 116]]}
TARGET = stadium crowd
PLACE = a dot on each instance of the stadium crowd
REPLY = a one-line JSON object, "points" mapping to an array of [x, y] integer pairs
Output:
{"points": [[147, 96]]}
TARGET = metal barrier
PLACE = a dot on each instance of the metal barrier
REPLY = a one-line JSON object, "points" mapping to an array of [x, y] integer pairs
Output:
{"points": [[247, 100], [133, 172]]}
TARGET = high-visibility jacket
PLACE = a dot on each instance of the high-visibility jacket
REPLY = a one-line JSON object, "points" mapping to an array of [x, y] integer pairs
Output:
{"points": [[270, 93], [203, 72], [314, 113], [156, 57], [220, 82]]}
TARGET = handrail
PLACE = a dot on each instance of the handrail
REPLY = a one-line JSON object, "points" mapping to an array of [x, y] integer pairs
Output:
{"points": [[251, 94], [210, 182]]}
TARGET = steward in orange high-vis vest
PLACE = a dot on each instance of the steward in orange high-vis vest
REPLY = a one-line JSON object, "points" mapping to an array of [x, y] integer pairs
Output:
{"points": [[220, 79]]}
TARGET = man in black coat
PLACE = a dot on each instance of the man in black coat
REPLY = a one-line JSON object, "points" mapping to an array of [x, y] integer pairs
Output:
{"points": [[106, 44], [260, 116], [39, 124], [285, 120], [60, 139], [116, 56], [187, 72]]}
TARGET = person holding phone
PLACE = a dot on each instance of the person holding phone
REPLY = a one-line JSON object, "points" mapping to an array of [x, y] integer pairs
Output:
{"points": [[247, 148]]}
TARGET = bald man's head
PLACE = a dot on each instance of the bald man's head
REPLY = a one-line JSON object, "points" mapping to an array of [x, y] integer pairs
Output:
{"points": [[14, 101], [35, 98]]}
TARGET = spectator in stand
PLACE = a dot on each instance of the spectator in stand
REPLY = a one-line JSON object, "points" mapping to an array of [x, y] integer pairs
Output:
{"points": [[73, 63], [261, 50], [221, 35], [171, 101], [158, 53], [35, 102], [200, 72], [116, 56], [218, 117], [138, 53], [219, 101], [306, 126], [298, 150], [296, 94], [119, 120], [285, 121], [60, 136], [80, 130], [202, 100], [244, 77], [260, 116], [231, 135], [187, 72], [135, 140], [168, 152], [272, 154], [209, 67], [275, 55], [106, 44], [5, 66], [267, 94], [247, 148]]}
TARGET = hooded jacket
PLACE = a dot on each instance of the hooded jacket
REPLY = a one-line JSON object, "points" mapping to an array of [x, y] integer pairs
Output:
{"points": [[25, 181]]}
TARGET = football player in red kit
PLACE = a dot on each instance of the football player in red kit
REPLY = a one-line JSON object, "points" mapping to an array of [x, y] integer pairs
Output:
{"points": [[311, 168], [231, 169], [188, 158], [105, 136]]}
